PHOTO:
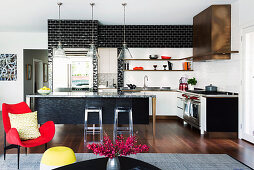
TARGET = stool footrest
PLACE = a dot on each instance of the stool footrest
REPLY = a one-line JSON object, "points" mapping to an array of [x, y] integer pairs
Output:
{"points": [[92, 132], [93, 128], [122, 132], [122, 128]]}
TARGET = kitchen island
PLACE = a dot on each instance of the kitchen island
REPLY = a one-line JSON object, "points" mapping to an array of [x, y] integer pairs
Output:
{"points": [[69, 107]]}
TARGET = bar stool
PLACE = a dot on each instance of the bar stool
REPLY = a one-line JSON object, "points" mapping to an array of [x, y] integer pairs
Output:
{"points": [[122, 130], [93, 130]]}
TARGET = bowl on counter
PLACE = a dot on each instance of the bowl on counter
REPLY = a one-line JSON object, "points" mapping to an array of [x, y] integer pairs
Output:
{"points": [[44, 92], [165, 57]]}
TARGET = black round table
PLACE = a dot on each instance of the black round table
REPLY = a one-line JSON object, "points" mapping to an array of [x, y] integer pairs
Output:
{"points": [[126, 163]]}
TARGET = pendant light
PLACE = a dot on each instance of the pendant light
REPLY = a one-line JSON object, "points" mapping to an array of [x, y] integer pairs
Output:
{"points": [[124, 51], [93, 53], [59, 52]]}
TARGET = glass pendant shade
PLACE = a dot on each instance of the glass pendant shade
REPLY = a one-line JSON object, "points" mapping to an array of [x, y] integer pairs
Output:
{"points": [[59, 52], [92, 52], [60, 56], [125, 52]]}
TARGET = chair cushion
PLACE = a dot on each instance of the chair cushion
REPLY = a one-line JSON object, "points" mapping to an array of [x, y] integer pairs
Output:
{"points": [[26, 125]]}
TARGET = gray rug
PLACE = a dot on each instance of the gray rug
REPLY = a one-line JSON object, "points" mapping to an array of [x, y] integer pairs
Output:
{"points": [[161, 160]]}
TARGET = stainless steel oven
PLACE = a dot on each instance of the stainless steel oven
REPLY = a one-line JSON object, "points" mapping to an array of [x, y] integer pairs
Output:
{"points": [[191, 111]]}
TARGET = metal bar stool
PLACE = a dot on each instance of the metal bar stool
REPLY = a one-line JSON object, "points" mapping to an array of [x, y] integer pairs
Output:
{"points": [[93, 130], [121, 130]]}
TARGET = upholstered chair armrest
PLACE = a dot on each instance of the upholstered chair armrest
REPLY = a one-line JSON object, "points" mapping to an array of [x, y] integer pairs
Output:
{"points": [[48, 129], [12, 137]]}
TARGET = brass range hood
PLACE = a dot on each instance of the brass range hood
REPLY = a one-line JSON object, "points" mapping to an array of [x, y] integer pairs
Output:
{"points": [[212, 34]]}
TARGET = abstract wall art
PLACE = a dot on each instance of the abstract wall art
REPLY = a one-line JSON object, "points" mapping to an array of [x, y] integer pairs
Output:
{"points": [[8, 67]]}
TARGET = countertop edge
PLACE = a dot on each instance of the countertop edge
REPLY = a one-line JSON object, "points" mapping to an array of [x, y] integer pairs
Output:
{"points": [[93, 95]]}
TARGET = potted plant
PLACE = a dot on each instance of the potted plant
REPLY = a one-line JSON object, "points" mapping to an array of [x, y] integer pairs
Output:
{"points": [[120, 147], [192, 82]]}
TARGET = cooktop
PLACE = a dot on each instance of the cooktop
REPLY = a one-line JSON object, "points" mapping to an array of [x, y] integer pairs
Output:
{"points": [[212, 93]]}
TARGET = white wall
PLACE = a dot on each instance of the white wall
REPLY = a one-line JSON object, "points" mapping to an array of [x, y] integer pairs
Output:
{"points": [[246, 19], [14, 43], [246, 11], [29, 56]]}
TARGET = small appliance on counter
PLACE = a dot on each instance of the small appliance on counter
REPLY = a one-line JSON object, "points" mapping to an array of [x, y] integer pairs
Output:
{"points": [[183, 85]]}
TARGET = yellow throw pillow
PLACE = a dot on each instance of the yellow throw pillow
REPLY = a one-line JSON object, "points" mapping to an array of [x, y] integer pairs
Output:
{"points": [[26, 125]]}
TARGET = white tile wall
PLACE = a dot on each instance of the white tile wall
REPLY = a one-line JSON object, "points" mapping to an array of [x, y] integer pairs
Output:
{"points": [[224, 74]]}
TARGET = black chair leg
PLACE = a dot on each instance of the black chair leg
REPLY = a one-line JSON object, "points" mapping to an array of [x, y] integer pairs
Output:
{"points": [[18, 155], [4, 145], [26, 150], [46, 146]]}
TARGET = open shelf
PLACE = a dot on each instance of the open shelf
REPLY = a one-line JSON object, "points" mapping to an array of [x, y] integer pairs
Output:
{"points": [[152, 59], [157, 70]]}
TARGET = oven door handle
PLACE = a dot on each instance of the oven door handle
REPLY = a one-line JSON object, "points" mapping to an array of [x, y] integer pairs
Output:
{"points": [[196, 103]]}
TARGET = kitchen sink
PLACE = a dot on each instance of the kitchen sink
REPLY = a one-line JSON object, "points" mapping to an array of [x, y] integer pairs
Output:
{"points": [[150, 88], [157, 88]]}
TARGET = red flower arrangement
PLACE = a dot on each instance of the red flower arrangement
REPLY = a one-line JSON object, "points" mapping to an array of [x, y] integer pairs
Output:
{"points": [[119, 148]]}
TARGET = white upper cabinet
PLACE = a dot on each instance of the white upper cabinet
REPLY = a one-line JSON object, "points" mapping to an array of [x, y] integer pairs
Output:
{"points": [[107, 60]]}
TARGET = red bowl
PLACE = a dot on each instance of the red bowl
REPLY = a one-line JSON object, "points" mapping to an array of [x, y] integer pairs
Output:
{"points": [[138, 68], [165, 57]]}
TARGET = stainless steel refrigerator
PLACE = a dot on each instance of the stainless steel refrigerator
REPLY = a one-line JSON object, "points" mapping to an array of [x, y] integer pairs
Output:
{"points": [[76, 74]]}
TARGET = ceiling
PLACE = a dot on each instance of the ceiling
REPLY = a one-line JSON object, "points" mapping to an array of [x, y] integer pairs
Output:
{"points": [[32, 15]]}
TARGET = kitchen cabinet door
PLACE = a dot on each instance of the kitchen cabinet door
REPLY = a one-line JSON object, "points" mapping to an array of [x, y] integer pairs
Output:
{"points": [[179, 105], [165, 103], [103, 61], [108, 60], [113, 60]]}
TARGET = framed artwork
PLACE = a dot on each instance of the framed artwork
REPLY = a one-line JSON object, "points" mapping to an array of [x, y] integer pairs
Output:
{"points": [[8, 67], [45, 72], [28, 71]]}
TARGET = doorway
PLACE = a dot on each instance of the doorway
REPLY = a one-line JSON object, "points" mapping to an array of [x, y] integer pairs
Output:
{"points": [[247, 109], [38, 75]]}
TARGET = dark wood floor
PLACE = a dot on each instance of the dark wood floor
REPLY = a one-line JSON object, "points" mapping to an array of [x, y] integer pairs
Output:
{"points": [[172, 137]]}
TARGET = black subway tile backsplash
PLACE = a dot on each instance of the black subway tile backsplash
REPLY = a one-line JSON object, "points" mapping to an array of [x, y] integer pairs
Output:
{"points": [[146, 36], [78, 34]]}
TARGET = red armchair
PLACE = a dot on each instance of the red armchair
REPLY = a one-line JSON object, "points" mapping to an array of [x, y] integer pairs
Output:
{"points": [[47, 130]]}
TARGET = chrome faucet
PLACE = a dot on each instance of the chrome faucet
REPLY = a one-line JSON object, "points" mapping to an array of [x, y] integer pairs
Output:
{"points": [[145, 79]]}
